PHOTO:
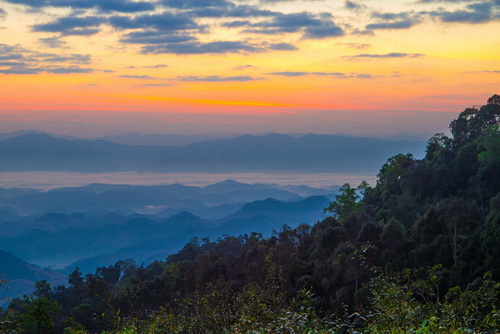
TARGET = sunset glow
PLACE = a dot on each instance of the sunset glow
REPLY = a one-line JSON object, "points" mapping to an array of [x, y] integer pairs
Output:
{"points": [[193, 66]]}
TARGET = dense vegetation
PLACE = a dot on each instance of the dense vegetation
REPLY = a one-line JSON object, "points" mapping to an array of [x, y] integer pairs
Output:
{"points": [[417, 253]]}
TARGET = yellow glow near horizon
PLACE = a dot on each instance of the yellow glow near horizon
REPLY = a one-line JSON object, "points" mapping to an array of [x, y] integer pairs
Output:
{"points": [[431, 65]]}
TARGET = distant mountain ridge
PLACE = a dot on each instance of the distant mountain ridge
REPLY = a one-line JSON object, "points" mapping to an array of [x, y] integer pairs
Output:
{"points": [[148, 238], [247, 153], [172, 198]]}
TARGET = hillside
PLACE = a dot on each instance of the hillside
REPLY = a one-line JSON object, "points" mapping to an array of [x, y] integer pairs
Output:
{"points": [[417, 252], [20, 276]]}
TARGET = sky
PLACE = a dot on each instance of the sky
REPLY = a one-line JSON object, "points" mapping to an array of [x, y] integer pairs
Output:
{"points": [[96, 67]]}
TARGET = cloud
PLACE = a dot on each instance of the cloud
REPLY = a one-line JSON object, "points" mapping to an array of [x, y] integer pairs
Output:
{"points": [[156, 66], [236, 24], [404, 24], [68, 70], [480, 12], [163, 22], [9, 52], [11, 57], [386, 55], [119, 5], [242, 11], [328, 29], [330, 74], [169, 33], [403, 20], [448, 1], [154, 37], [14, 59], [187, 4], [282, 47], [216, 78], [358, 46], [322, 74], [21, 69], [287, 23], [393, 16], [301, 74], [289, 74], [125, 6], [163, 84], [334, 75], [362, 32], [72, 58], [150, 66], [141, 77], [72, 25], [490, 71], [243, 67], [221, 47], [354, 6], [11, 63], [315, 26], [52, 42]]}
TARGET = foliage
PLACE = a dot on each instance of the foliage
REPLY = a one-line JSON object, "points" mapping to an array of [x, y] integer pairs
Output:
{"points": [[411, 303], [348, 200], [417, 253]]}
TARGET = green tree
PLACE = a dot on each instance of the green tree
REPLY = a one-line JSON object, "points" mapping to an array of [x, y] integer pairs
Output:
{"points": [[38, 315], [348, 200]]}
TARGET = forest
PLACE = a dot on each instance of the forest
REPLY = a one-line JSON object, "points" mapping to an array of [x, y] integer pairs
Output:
{"points": [[415, 253]]}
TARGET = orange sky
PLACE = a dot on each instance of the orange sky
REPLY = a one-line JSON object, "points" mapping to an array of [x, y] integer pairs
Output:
{"points": [[198, 66]]}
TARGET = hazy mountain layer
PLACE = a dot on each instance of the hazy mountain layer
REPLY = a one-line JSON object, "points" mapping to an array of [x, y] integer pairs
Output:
{"points": [[60, 239], [273, 152], [213, 201]]}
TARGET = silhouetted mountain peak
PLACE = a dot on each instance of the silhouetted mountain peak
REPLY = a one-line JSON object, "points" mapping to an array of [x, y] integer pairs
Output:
{"points": [[183, 216], [227, 184]]}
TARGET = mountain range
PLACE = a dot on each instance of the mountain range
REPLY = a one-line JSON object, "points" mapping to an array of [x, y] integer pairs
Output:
{"points": [[267, 153], [57, 240]]}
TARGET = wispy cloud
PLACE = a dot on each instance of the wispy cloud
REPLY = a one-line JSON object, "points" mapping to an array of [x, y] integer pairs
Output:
{"points": [[156, 66], [243, 67], [221, 47], [140, 77], [358, 46], [125, 6], [354, 6], [162, 84], [402, 20], [53, 42], [216, 78], [14, 59], [404, 24], [385, 55], [22, 69], [334, 75]]}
